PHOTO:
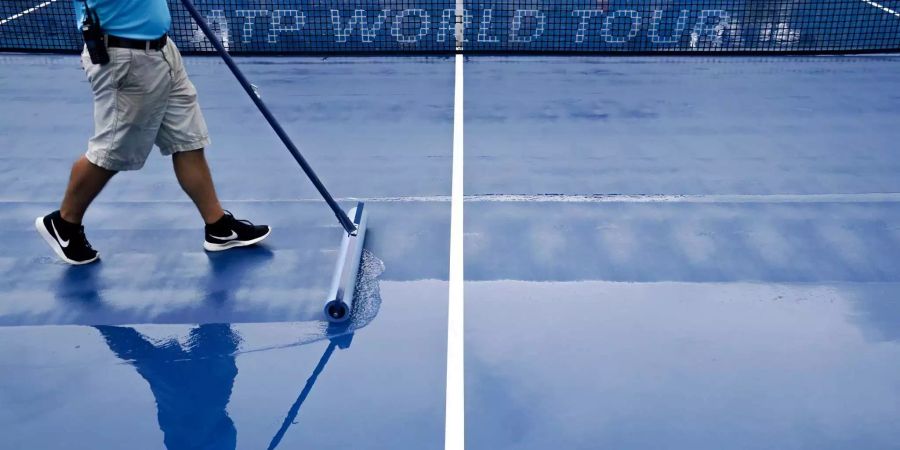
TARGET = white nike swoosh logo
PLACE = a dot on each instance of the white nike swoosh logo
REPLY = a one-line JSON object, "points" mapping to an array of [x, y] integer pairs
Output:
{"points": [[232, 236], [62, 243]]}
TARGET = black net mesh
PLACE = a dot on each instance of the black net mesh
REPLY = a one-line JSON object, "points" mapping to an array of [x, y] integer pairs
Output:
{"points": [[498, 26]]}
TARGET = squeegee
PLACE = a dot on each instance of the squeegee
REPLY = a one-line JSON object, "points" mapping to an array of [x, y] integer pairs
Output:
{"points": [[339, 305]]}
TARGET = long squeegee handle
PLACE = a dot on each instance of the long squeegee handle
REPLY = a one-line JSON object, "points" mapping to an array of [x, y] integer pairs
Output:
{"points": [[341, 215]]}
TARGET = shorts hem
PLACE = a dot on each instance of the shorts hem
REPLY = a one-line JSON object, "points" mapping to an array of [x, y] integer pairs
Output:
{"points": [[111, 164], [188, 147]]}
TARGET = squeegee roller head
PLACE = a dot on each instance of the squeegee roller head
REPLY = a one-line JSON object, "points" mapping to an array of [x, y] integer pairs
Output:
{"points": [[339, 307]]}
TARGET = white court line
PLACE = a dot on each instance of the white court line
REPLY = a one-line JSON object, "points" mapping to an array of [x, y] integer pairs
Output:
{"points": [[882, 7], [454, 427], [26, 12], [876, 197], [889, 197]]}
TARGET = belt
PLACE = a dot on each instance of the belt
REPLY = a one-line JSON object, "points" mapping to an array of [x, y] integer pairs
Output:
{"points": [[136, 44]]}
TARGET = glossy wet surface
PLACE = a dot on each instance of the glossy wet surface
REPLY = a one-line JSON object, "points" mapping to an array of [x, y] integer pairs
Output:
{"points": [[163, 345], [660, 253], [685, 253]]}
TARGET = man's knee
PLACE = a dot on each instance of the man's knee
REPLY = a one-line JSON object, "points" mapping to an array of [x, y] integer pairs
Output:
{"points": [[85, 163], [195, 153]]}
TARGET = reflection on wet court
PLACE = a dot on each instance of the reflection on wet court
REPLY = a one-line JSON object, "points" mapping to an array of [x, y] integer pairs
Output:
{"points": [[163, 344]]}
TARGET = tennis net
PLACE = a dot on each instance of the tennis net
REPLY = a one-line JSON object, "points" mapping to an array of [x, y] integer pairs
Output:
{"points": [[497, 26]]}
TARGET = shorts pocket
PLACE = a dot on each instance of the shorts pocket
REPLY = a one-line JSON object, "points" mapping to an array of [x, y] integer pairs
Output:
{"points": [[123, 60]]}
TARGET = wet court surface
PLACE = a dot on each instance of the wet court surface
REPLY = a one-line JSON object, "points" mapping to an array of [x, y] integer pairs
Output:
{"points": [[660, 253], [682, 253], [161, 343]]}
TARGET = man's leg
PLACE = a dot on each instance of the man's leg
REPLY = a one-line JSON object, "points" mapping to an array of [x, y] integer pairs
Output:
{"points": [[62, 229], [85, 182], [127, 118], [183, 134], [222, 230], [193, 174]]}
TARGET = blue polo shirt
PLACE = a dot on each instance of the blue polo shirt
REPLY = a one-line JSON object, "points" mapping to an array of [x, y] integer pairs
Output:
{"points": [[133, 19]]}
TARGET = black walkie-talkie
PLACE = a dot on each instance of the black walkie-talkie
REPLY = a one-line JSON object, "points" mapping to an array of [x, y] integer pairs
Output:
{"points": [[93, 36]]}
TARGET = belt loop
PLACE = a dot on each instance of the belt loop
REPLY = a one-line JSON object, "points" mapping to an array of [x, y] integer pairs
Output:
{"points": [[147, 46]]}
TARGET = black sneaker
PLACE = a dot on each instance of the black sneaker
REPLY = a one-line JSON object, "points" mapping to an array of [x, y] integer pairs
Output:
{"points": [[229, 232], [66, 239]]}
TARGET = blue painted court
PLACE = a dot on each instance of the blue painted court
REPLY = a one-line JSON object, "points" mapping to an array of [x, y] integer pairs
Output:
{"points": [[665, 251], [682, 253], [161, 343]]}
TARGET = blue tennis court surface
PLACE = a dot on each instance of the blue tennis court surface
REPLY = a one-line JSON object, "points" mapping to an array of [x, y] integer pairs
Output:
{"points": [[660, 252], [163, 344], [682, 253]]}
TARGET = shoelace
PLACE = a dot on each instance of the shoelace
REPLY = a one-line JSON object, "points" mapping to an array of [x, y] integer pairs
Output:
{"points": [[243, 221], [81, 236]]}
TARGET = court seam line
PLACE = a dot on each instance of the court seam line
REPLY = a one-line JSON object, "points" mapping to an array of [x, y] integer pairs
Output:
{"points": [[454, 426], [26, 12], [871, 197], [882, 7]]}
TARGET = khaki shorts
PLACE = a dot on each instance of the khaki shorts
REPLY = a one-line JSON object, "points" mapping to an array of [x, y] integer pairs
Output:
{"points": [[142, 98]]}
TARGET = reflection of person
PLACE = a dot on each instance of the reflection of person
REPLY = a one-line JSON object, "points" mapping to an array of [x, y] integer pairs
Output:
{"points": [[142, 96], [192, 385]]}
